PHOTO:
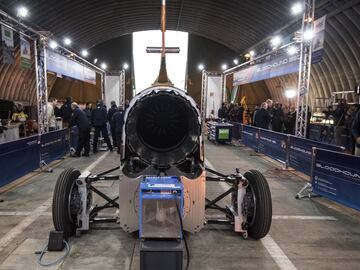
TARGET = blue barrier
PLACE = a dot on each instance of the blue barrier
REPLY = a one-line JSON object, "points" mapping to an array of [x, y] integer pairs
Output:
{"points": [[54, 145], [273, 144], [18, 158], [250, 137], [336, 176], [236, 130], [300, 151]]}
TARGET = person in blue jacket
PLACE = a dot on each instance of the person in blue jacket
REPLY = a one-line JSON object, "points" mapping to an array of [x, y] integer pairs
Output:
{"points": [[99, 119], [80, 120]]}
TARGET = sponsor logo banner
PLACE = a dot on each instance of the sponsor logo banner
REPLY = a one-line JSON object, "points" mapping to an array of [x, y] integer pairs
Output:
{"points": [[337, 177], [25, 53], [7, 45]]}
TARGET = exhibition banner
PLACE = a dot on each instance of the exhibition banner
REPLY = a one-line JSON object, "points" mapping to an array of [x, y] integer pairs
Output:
{"points": [[18, 158], [336, 176], [282, 64], [300, 151], [60, 64], [251, 137], [54, 145], [25, 53], [273, 144], [7, 45]]}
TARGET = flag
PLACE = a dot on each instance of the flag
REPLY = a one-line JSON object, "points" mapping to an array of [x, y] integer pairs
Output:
{"points": [[8, 45], [25, 53]]}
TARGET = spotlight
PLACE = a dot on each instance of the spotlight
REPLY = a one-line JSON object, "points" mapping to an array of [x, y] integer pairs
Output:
{"points": [[247, 55], [53, 44], [85, 53], [275, 41], [201, 66], [95, 60], [67, 41], [125, 66], [292, 50], [252, 53], [308, 35], [224, 66], [103, 66], [297, 8], [236, 61], [22, 12], [290, 93]]}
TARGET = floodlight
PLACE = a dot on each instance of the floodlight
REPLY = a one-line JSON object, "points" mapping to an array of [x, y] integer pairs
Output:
{"points": [[53, 44], [22, 12], [297, 8], [292, 50], [201, 66], [275, 41], [84, 53], [125, 66], [103, 65], [67, 41], [224, 66], [290, 93]]}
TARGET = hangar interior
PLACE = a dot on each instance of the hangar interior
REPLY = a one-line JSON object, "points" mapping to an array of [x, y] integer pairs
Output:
{"points": [[251, 162]]}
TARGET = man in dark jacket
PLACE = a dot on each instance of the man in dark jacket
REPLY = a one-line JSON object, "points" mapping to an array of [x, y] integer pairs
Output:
{"points": [[356, 133], [98, 119], [262, 117], [79, 119], [111, 112], [66, 110], [118, 123], [222, 112]]}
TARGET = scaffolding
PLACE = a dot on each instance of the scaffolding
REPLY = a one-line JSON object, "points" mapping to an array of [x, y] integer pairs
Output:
{"points": [[305, 69]]}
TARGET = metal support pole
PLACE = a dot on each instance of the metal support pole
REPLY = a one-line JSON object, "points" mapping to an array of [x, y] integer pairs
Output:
{"points": [[204, 90], [102, 76], [304, 69], [122, 89], [223, 87], [41, 84]]}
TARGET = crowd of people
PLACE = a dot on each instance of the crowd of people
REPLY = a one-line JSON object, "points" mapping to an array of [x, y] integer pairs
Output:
{"points": [[88, 119], [282, 118]]}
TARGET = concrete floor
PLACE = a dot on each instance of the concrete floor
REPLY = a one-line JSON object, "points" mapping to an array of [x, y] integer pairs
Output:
{"points": [[306, 234]]}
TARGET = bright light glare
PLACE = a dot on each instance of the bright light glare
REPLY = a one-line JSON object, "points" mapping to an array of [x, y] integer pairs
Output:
{"points": [[224, 66], [67, 41], [125, 66], [201, 66], [95, 60], [236, 61], [252, 53], [297, 8], [292, 50], [275, 41], [22, 12], [53, 44], [308, 34], [103, 66], [85, 53], [290, 93]]}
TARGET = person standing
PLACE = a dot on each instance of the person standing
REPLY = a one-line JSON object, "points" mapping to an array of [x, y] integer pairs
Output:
{"points": [[356, 133], [87, 111], [262, 117], [111, 112], [51, 113], [118, 123], [278, 118], [66, 111], [222, 112], [99, 119], [79, 119]]}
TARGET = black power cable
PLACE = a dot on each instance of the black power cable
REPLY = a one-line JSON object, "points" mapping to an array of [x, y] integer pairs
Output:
{"points": [[182, 232]]}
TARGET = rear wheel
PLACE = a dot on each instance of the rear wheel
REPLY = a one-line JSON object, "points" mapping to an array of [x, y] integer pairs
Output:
{"points": [[66, 202], [257, 205]]}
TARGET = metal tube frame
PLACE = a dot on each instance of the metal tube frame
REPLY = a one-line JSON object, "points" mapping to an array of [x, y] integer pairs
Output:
{"points": [[304, 70]]}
